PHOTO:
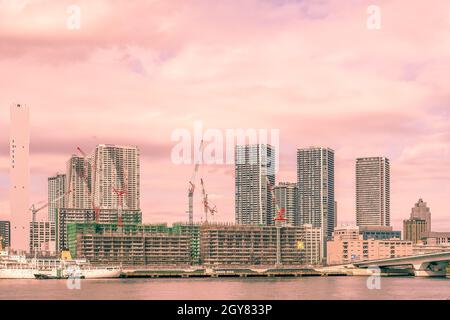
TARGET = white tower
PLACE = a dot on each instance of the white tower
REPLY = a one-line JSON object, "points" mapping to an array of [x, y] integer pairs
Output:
{"points": [[19, 176]]}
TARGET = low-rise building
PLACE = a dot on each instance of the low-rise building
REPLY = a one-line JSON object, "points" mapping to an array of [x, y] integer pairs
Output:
{"points": [[348, 246], [42, 237], [435, 238], [413, 229], [130, 244], [66, 216], [5, 234], [379, 232], [231, 244]]}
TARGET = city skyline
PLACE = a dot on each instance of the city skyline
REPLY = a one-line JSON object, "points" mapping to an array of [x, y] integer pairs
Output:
{"points": [[360, 95]]}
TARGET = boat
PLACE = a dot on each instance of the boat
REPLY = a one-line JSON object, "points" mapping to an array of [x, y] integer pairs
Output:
{"points": [[100, 273], [12, 267], [17, 273]]}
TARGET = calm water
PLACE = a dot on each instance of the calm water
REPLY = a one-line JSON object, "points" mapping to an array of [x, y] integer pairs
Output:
{"points": [[298, 288]]}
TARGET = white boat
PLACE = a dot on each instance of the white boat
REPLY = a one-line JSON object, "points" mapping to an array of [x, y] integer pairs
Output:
{"points": [[21, 268], [17, 273], [100, 273]]}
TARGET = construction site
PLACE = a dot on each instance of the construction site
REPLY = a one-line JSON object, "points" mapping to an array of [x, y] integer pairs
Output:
{"points": [[95, 208]]}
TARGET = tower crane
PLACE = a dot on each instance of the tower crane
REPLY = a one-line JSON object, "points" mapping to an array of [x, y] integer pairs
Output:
{"points": [[206, 204], [192, 185], [279, 220], [35, 210]]}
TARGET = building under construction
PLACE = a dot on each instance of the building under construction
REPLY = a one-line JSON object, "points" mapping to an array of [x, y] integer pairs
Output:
{"points": [[186, 244], [230, 244], [65, 216], [134, 244]]}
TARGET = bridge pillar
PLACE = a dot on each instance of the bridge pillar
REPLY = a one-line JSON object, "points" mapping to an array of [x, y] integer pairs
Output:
{"points": [[430, 269]]}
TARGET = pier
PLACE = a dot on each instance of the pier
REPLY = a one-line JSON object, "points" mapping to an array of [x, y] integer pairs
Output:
{"points": [[230, 273]]}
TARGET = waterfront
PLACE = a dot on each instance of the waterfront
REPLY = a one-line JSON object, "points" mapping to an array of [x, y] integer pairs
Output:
{"points": [[230, 289]]}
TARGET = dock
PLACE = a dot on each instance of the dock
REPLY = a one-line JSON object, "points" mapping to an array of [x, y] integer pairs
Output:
{"points": [[229, 273]]}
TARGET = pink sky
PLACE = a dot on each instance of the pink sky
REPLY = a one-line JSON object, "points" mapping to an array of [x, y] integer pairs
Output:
{"points": [[137, 70]]}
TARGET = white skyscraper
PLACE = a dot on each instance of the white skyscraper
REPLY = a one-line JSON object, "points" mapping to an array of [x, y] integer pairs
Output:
{"points": [[19, 176], [315, 181], [372, 191], [116, 167], [253, 199], [56, 190], [78, 181]]}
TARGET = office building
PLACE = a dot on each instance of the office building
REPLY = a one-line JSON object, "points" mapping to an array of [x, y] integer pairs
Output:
{"points": [[413, 229], [5, 234], [286, 195], [372, 191], [315, 182], [19, 176], [421, 211], [348, 246], [254, 165], [436, 238], [42, 237], [379, 232], [56, 191], [311, 239]]}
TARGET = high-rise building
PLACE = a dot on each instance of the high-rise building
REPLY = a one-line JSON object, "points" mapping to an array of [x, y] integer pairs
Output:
{"points": [[413, 229], [421, 211], [56, 190], [286, 194], [254, 164], [373, 191], [5, 233], [315, 181], [19, 176], [116, 167], [78, 181]]}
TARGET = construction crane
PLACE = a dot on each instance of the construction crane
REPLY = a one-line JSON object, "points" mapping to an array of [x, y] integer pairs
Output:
{"points": [[192, 185], [35, 210], [206, 204], [86, 182], [279, 220]]}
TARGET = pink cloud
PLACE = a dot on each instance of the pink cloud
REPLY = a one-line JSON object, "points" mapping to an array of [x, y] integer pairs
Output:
{"points": [[136, 71]]}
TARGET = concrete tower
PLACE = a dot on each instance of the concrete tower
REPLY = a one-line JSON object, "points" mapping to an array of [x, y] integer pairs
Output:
{"points": [[116, 167], [56, 189], [373, 191], [315, 181], [254, 164], [421, 211], [19, 176]]}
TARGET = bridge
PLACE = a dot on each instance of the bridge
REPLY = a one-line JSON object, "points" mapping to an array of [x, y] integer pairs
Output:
{"points": [[424, 265]]}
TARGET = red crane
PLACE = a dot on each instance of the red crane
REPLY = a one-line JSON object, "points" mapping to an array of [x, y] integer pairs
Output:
{"points": [[280, 211], [206, 204]]}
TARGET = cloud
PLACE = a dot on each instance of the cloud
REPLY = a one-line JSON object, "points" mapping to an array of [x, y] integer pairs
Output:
{"points": [[136, 71]]}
